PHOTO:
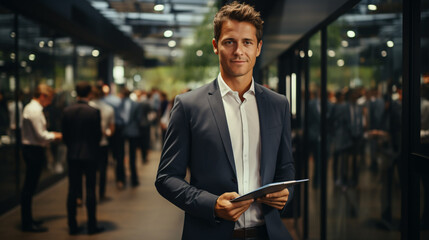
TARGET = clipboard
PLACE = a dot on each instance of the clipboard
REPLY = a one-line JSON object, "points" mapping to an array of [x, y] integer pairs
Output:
{"points": [[269, 188]]}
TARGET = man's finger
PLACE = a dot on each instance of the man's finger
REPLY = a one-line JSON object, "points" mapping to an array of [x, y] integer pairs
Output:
{"points": [[284, 192]]}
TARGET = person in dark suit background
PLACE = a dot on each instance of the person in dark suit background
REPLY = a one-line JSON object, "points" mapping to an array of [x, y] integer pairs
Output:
{"points": [[81, 127], [144, 128], [314, 139], [235, 136]]}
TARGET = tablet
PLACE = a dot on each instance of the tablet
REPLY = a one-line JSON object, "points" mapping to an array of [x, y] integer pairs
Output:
{"points": [[269, 188]]}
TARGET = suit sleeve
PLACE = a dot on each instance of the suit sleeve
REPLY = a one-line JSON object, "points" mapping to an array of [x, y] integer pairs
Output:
{"points": [[170, 181], [285, 169]]}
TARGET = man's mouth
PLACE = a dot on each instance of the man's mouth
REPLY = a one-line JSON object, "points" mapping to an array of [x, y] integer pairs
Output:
{"points": [[238, 61]]}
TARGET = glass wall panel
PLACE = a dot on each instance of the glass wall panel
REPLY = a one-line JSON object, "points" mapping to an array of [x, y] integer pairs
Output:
{"points": [[364, 54], [313, 134], [87, 63], [37, 61], [273, 79], [424, 115], [44, 56], [7, 107], [424, 66]]}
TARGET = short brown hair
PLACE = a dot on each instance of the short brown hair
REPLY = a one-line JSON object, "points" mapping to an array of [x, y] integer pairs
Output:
{"points": [[83, 89], [96, 92], [43, 89], [239, 12]]}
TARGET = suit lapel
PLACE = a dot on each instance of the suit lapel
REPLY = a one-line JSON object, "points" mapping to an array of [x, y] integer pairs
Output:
{"points": [[263, 123], [216, 105]]}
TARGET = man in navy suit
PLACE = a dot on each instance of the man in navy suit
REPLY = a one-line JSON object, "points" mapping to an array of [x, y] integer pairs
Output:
{"points": [[81, 127], [234, 136]]}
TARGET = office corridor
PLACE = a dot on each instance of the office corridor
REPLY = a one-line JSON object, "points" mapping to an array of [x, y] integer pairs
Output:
{"points": [[131, 213]]}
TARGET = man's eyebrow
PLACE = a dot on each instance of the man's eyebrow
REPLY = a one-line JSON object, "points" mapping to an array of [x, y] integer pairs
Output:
{"points": [[228, 39]]}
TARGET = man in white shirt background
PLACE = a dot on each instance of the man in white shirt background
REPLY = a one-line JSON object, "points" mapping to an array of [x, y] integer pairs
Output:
{"points": [[35, 138]]}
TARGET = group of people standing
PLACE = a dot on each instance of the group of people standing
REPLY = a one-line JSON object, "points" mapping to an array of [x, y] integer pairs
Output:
{"points": [[91, 127], [364, 133]]}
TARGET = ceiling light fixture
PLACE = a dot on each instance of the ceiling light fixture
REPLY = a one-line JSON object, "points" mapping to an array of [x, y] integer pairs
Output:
{"points": [[168, 33], [172, 43], [158, 7], [351, 34], [372, 7]]}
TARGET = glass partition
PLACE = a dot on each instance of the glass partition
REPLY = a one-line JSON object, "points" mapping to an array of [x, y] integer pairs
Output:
{"points": [[313, 134], [37, 61], [424, 116], [424, 66], [7, 107], [364, 52], [273, 79], [44, 56]]}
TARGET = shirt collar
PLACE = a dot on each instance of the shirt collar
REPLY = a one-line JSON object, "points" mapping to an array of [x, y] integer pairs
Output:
{"points": [[36, 103], [225, 89]]}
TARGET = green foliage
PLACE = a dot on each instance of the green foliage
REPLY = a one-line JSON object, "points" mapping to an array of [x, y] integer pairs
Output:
{"points": [[198, 68]]}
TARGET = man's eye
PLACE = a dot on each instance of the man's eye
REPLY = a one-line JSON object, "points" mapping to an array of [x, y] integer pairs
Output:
{"points": [[228, 42]]}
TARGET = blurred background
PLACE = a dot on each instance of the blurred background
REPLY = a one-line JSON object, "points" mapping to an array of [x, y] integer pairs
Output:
{"points": [[356, 74]]}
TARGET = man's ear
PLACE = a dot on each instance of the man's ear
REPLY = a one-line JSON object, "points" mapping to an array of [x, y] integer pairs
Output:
{"points": [[214, 46], [259, 48]]}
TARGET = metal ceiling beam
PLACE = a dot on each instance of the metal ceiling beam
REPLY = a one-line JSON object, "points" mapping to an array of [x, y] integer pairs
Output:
{"points": [[81, 21]]}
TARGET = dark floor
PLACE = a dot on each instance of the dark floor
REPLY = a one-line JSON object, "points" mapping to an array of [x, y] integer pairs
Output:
{"points": [[132, 213], [141, 213]]}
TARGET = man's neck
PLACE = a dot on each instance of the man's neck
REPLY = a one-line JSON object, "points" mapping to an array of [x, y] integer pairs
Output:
{"points": [[38, 100], [239, 84]]}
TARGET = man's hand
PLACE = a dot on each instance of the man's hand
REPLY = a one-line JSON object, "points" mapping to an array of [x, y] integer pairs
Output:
{"points": [[276, 199], [230, 210], [58, 136]]}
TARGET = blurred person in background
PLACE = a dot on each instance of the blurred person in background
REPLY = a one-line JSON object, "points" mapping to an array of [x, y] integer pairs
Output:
{"points": [[35, 138], [132, 132], [145, 124], [117, 140], [107, 129], [165, 119], [4, 114], [81, 126], [154, 116]]}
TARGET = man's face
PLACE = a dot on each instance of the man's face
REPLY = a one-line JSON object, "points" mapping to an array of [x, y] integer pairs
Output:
{"points": [[237, 49], [45, 99]]}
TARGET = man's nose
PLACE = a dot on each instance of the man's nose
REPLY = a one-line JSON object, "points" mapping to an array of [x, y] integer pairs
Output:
{"points": [[239, 49]]}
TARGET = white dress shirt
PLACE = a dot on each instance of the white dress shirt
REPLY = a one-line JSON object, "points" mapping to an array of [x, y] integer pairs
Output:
{"points": [[243, 125], [34, 126]]}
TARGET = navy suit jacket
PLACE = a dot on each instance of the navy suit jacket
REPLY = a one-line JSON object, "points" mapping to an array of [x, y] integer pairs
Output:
{"points": [[198, 138], [81, 128]]}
